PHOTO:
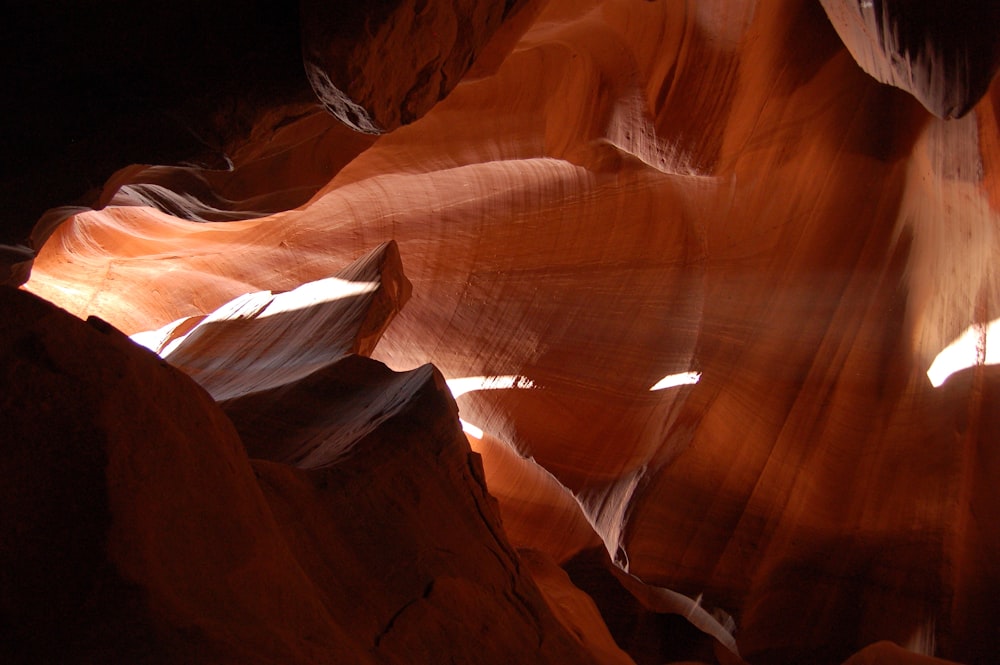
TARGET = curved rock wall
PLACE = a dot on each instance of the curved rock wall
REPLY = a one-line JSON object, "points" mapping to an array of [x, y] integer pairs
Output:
{"points": [[620, 196]]}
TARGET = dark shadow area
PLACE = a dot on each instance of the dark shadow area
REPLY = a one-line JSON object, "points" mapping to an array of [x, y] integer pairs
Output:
{"points": [[92, 87]]}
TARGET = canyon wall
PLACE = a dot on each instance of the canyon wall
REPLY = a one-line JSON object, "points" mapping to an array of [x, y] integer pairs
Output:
{"points": [[711, 285]]}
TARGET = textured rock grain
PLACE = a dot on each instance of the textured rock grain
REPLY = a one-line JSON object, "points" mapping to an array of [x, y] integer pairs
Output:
{"points": [[944, 54], [710, 195]]}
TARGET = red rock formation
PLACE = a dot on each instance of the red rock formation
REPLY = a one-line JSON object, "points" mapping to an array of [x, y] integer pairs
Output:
{"points": [[382, 65], [119, 473], [136, 529], [713, 192], [944, 54], [415, 563], [233, 352]]}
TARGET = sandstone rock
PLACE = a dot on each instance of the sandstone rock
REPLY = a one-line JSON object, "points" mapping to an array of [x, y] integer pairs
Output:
{"points": [[652, 625], [233, 351], [945, 55], [291, 152], [135, 528], [887, 653], [538, 511], [382, 65], [574, 608], [98, 87], [708, 196], [393, 522]]}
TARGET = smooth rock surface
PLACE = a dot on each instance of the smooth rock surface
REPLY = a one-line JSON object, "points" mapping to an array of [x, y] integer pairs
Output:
{"points": [[708, 198], [262, 341]]}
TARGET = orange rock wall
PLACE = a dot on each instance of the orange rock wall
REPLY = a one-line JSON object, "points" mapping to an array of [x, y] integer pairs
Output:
{"points": [[633, 190]]}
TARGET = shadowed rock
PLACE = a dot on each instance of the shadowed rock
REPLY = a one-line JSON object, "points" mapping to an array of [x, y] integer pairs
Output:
{"points": [[943, 53], [135, 528], [380, 65]]}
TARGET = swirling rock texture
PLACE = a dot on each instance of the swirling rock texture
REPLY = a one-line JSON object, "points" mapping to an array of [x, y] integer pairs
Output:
{"points": [[685, 267]]}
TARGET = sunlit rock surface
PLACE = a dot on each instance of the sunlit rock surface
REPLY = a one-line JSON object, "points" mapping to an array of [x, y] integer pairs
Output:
{"points": [[233, 351], [709, 196]]}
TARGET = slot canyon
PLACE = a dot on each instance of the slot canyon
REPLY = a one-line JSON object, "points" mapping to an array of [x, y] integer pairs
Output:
{"points": [[488, 332]]}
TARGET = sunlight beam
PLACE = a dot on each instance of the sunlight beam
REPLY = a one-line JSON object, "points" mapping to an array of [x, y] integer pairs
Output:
{"points": [[471, 429], [674, 380], [469, 384], [970, 349]]}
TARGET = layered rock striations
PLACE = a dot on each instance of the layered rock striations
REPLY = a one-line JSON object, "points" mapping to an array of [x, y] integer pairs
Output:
{"points": [[945, 55], [716, 304], [96, 87], [382, 65]]}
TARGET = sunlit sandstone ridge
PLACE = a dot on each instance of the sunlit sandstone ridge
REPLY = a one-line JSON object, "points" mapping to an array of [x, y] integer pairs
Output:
{"points": [[716, 305]]}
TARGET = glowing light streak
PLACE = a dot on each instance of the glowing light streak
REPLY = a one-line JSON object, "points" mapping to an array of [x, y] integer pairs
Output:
{"points": [[674, 380], [311, 294], [469, 384], [970, 349], [471, 429], [256, 305]]}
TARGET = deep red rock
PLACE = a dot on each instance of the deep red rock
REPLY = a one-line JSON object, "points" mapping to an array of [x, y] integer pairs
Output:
{"points": [[426, 566], [711, 196], [136, 529], [133, 528]]}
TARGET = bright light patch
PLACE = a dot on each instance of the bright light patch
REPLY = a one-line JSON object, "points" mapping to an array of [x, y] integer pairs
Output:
{"points": [[471, 429], [162, 340], [316, 293], [674, 380], [469, 384], [151, 339], [969, 350], [257, 305]]}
